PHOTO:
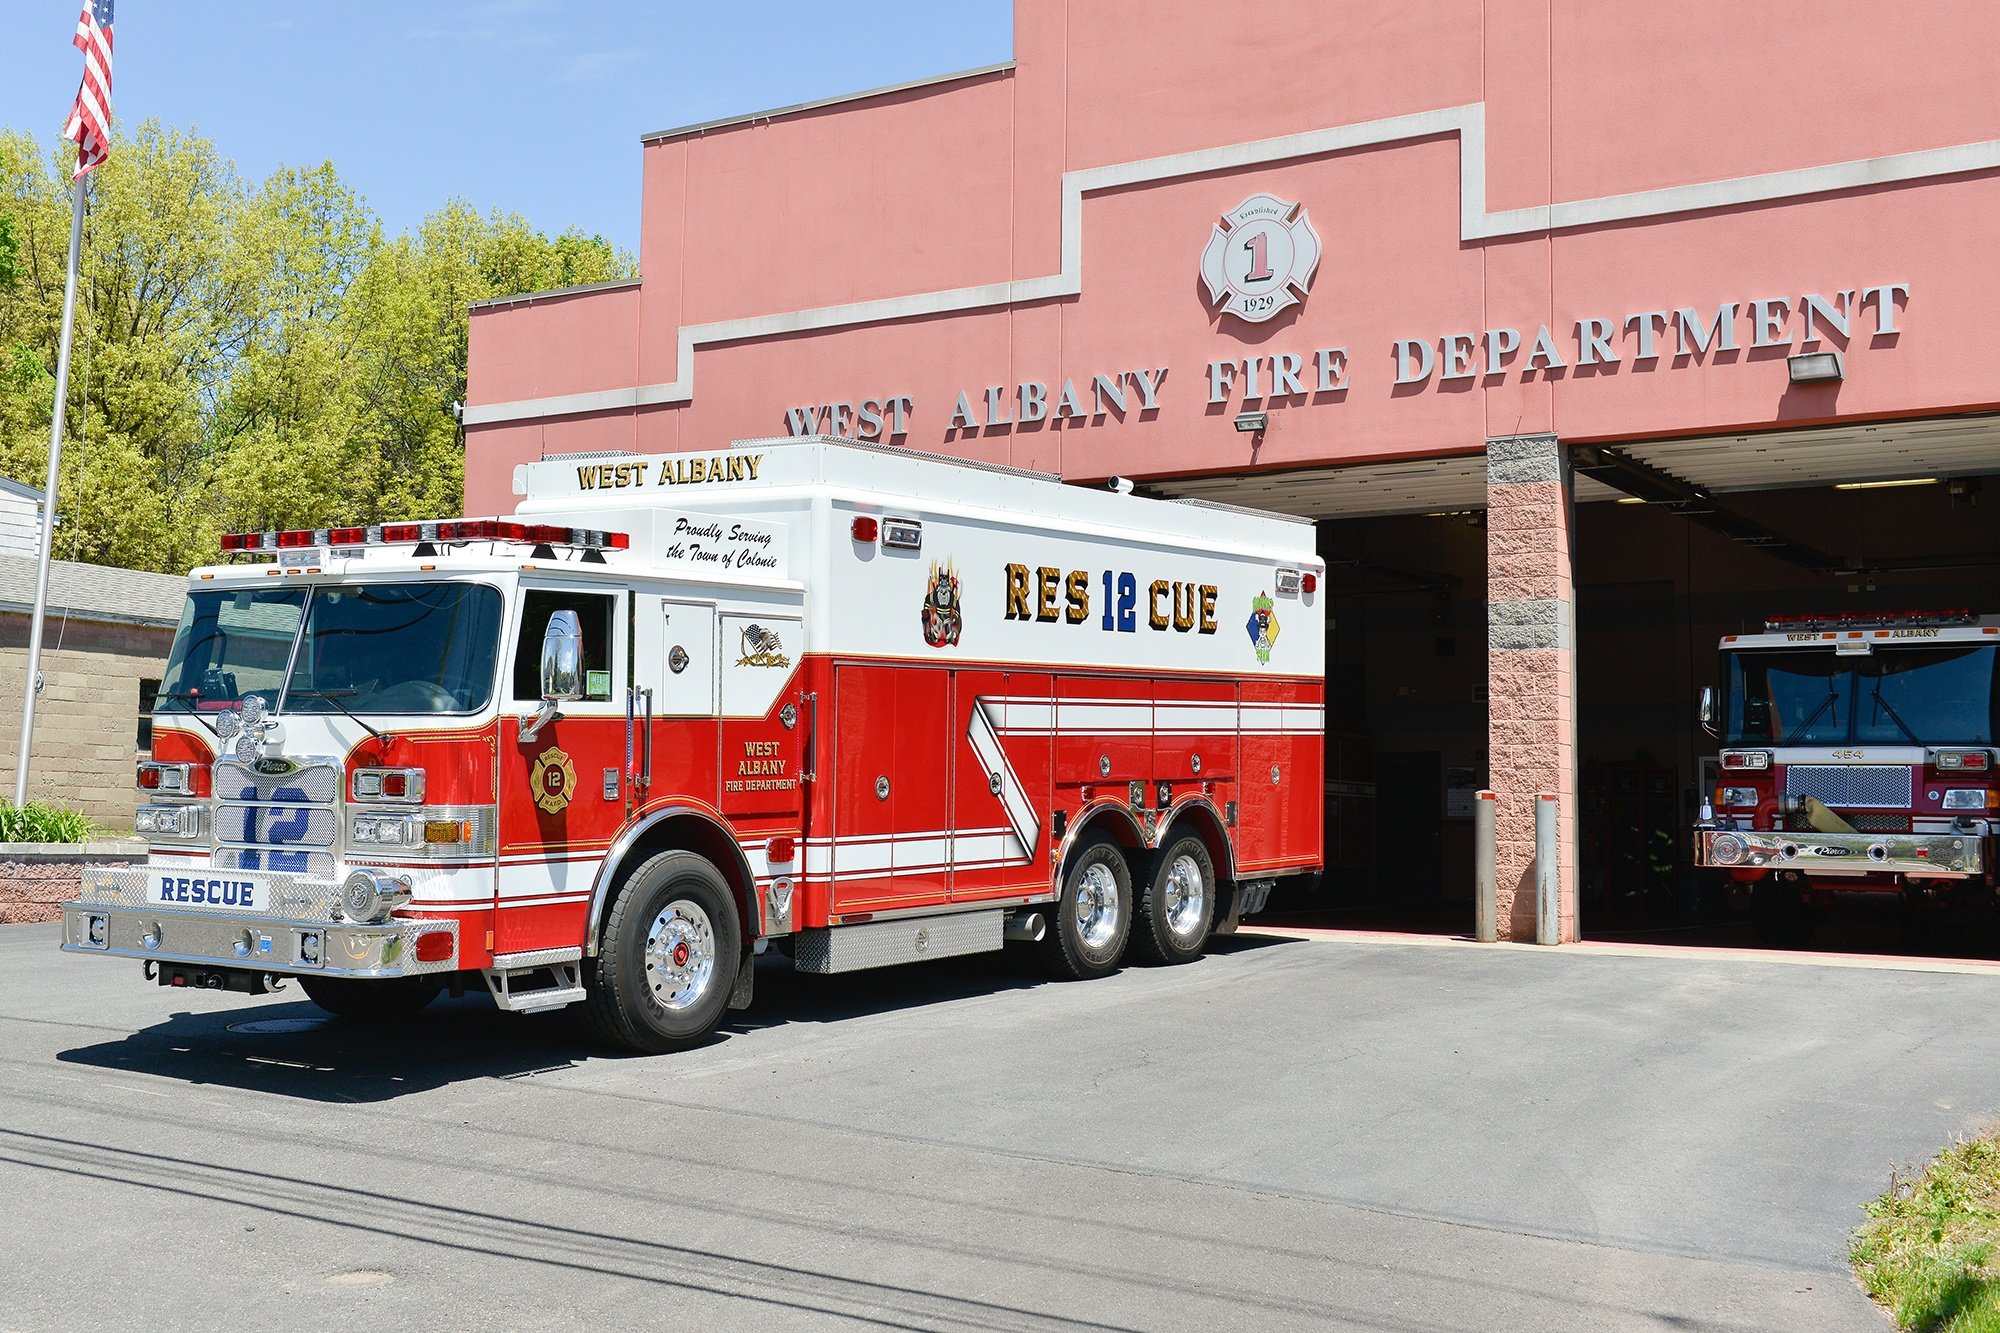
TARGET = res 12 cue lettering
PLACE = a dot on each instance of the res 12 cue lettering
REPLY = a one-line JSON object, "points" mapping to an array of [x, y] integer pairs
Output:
{"points": [[1051, 596]]}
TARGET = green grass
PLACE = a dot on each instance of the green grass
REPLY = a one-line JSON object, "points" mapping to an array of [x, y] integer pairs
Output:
{"points": [[1927, 1252], [35, 822]]}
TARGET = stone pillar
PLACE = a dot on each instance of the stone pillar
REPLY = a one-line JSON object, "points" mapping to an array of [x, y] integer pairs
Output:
{"points": [[1530, 667]]}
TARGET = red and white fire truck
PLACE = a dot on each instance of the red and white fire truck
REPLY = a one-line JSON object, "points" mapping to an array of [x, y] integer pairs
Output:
{"points": [[1858, 755], [868, 705]]}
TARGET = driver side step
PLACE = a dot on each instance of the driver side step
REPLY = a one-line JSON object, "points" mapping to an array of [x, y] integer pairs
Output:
{"points": [[560, 972]]}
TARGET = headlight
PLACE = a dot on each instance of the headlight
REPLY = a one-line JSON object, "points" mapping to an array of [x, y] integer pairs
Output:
{"points": [[1965, 798], [1725, 849], [433, 831], [382, 830], [1739, 796], [168, 821], [368, 897], [1746, 759]]}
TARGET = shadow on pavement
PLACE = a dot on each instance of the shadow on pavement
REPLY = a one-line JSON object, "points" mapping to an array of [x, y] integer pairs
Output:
{"points": [[296, 1050]]}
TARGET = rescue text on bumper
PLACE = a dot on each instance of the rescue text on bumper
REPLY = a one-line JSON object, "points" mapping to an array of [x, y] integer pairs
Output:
{"points": [[1953, 854]]}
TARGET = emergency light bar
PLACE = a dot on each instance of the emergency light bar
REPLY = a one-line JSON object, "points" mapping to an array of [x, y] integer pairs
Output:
{"points": [[413, 534], [1869, 619]]}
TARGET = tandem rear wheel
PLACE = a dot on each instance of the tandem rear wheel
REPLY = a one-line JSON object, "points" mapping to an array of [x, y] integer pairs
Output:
{"points": [[667, 963], [1093, 915], [1178, 905]]}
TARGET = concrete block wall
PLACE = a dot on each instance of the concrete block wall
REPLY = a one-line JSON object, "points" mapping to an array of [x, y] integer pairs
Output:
{"points": [[86, 722], [1531, 661]]}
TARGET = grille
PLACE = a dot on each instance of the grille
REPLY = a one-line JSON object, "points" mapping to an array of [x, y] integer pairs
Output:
{"points": [[287, 822], [1882, 786]]}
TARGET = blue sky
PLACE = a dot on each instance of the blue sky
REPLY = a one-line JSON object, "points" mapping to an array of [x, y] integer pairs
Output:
{"points": [[530, 105]]}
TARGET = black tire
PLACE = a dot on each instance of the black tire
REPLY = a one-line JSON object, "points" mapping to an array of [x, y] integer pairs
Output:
{"points": [[369, 1001], [1781, 919], [1178, 906], [672, 915], [1098, 884]]}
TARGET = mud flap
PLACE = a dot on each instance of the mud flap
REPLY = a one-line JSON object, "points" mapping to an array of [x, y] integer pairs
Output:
{"points": [[746, 981]]}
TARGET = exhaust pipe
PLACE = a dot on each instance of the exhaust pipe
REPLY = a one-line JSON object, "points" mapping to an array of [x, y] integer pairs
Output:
{"points": [[1026, 927]]}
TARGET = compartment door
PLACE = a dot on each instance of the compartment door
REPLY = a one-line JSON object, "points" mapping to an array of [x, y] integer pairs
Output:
{"points": [[1005, 734], [891, 775], [675, 656], [760, 754]]}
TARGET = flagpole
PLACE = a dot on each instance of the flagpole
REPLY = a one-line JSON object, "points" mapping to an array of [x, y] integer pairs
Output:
{"points": [[32, 684]]}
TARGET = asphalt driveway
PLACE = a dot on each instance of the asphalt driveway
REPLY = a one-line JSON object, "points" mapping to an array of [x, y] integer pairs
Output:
{"points": [[1285, 1134]]}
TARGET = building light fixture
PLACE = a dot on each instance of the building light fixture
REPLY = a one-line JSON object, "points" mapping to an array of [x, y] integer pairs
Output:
{"points": [[1631, 500], [1884, 485], [1813, 367], [1252, 421]]}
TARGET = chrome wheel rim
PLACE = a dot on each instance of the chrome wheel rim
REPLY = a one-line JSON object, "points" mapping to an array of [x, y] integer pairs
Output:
{"points": [[1187, 897], [680, 955], [1097, 906]]}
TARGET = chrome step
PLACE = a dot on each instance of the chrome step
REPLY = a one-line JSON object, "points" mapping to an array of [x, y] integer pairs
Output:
{"points": [[536, 958], [568, 973], [534, 1001]]}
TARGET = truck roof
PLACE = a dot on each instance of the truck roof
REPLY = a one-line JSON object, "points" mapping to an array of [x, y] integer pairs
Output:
{"points": [[892, 476]]}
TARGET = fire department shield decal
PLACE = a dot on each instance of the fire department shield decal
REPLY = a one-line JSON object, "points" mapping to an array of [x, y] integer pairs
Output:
{"points": [[1260, 258], [554, 780]]}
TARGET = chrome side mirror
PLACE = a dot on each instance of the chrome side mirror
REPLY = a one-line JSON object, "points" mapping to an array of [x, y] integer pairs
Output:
{"points": [[1707, 711], [562, 671], [562, 658]]}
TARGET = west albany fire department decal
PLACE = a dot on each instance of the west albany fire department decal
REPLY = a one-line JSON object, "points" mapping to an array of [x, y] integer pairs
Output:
{"points": [[943, 621], [1260, 258], [761, 648], [554, 780], [1262, 626]]}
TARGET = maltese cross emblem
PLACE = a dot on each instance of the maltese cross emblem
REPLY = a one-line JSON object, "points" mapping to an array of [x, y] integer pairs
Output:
{"points": [[1260, 258]]}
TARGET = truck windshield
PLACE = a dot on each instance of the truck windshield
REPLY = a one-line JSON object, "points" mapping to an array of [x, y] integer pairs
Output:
{"points": [[367, 648], [1946, 694]]}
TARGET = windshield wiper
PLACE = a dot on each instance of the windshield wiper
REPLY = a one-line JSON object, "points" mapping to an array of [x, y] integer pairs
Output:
{"points": [[1884, 706], [334, 697], [1805, 727]]}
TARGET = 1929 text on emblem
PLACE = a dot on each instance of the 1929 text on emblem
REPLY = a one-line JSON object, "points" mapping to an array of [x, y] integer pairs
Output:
{"points": [[1260, 258]]}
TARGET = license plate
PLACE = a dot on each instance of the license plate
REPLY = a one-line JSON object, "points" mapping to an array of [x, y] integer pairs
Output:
{"points": [[172, 888]]}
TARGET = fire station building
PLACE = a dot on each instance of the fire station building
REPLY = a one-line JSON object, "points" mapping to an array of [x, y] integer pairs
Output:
{"points": [[1586, 335]]}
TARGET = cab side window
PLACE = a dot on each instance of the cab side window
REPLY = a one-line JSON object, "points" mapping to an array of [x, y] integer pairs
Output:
{"points": [[593, 613]]}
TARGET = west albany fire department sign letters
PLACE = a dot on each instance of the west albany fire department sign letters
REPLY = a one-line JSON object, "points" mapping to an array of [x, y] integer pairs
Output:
{"points": [[1259, 261]]}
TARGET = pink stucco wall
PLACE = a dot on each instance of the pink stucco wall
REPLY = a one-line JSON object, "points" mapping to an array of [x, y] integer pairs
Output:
{"points": [[960, 185]]}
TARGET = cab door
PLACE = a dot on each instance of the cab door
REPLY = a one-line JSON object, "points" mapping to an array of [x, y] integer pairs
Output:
{"points": [[562, 794]]}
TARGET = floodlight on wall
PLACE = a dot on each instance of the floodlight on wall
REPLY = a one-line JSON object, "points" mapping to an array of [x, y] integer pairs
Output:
{"points": [[1815, 367], [1252, 421]]}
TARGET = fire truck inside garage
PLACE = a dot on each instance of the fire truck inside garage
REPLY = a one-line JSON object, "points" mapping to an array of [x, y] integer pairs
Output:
{"points": [[1684, 551]]}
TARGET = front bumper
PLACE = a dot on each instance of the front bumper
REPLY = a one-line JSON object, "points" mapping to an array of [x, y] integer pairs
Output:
{"points": [[1942, 855], [302, 937]]}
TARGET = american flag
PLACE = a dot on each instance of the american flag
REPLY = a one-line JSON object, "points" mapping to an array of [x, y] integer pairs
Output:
{"points": [[90, 120]]}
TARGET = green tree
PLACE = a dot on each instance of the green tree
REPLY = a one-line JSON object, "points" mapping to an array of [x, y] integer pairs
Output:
{"points": [[248, 355]]}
